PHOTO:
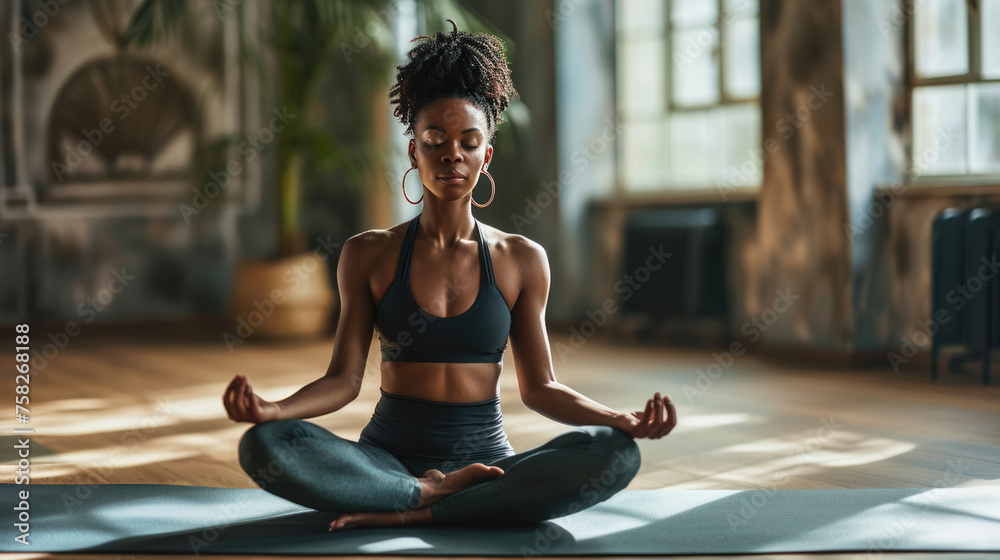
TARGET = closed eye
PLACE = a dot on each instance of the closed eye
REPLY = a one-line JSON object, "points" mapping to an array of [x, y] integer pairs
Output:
{"points": [[466, 146]]}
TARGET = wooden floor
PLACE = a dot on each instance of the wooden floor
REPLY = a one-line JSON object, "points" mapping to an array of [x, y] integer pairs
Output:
{"points": [[757, 425]]}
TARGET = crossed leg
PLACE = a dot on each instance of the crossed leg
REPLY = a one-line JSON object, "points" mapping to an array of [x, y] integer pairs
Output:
{"points": [[311, 466], [571, 472]]}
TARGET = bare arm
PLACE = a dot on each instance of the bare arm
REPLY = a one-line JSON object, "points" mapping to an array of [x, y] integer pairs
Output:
{"points": [[533, 357], [533, 361], [342, 382]]}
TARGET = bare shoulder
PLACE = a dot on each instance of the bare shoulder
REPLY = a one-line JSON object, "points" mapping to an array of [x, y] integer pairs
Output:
{"points": [[373, 240], [516, 250], [368, 246]]}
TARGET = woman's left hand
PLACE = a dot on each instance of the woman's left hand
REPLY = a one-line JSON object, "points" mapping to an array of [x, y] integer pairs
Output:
{"points": [[656, 421]]}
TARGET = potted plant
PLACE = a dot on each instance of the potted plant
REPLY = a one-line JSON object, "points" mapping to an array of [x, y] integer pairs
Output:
{"points": [[301, 39]]}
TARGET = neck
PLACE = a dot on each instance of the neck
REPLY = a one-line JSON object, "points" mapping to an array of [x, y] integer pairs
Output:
{"points": [[447, 225]]}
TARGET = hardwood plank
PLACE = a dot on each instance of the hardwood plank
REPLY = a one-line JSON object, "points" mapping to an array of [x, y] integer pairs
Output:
{"points": [[760, 425]]}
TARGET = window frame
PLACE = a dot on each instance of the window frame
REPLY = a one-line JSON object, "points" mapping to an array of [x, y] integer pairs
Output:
{"points": [[973, 75], [720, 29], [667, 189]]}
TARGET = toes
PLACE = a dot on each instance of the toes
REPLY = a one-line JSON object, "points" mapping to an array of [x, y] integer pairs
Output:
{"points": [[341, 522], [434, 474], [490, 472]]}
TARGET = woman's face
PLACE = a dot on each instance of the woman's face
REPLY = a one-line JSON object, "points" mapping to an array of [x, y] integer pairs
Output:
{"points": [[449, 147]]}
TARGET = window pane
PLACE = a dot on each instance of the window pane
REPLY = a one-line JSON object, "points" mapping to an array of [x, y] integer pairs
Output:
{"points": [[695, 64], [733, 8], [690, 13], [985, 127], [639, 15], [941, 38], [740, 159], [939, 130], [690, 148], [742, 58], [640, 77], [642, 155], [989, 11]]}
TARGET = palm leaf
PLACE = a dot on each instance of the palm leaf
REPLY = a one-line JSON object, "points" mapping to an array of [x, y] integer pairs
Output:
{"points": [[155, 22]]}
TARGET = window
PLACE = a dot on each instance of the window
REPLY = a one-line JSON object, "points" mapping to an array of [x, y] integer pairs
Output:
{"points": [[688, 86], [955, 72]]}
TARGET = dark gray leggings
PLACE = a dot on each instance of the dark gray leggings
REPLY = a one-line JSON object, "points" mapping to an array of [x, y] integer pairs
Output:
{"points": [[309, 465]]}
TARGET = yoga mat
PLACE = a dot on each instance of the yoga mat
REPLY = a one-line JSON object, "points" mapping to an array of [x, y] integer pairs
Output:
{"points": [[195, 520]]}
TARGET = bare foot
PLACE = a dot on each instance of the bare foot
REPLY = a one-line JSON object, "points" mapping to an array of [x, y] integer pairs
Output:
{"points": [[434, 487], [382, 519]]}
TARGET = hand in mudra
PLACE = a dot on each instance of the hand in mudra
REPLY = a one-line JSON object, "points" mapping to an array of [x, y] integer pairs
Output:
{"points": [[656, 421], [243, 405]]}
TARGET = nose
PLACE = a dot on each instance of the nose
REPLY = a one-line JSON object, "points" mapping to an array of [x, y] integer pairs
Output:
{"points": [[452, 154]]}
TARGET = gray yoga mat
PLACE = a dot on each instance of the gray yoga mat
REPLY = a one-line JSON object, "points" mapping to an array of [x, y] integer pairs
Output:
{"points": [[159, 518]]}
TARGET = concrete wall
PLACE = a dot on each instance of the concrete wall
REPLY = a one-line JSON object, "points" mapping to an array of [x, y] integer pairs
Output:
{"points": [[802, 206]]}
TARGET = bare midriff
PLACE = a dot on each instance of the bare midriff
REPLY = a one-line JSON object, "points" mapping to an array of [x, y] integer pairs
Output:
{"points": [[446, 382]]}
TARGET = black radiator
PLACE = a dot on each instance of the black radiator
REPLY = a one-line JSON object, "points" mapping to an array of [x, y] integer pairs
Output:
{"points": [[692, 282], [965, 286]]}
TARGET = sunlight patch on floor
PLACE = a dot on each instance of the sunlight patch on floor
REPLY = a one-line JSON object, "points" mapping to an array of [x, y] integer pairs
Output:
{"points": [[704, 421]]}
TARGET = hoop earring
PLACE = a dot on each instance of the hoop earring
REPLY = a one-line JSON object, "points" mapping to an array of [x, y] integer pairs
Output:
{"points": [[493, 190], [404, 188]]}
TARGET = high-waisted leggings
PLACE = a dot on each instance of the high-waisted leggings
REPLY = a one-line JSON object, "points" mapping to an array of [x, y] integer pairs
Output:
{"points": [[311, 466]]}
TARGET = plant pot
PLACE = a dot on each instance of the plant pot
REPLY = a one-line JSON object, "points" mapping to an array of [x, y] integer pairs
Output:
{"points": [[285, 298]]}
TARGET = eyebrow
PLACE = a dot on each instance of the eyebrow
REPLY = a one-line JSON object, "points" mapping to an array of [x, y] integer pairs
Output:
{"points": [[473, 129]]}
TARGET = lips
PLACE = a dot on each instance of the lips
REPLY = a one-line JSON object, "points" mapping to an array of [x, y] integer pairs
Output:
{"points": [[451, 178]]}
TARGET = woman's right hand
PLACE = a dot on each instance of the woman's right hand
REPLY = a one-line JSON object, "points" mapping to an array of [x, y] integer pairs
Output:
{"points": [[243, 405]]}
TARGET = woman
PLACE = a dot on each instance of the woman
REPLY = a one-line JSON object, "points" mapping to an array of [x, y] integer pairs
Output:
{"points": [[435, 451]]}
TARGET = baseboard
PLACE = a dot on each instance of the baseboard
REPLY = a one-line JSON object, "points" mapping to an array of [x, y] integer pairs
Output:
{"points": [[825, 358]]}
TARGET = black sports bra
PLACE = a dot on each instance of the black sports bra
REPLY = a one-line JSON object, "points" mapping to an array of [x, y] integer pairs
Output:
{"points": [[407, 333]]}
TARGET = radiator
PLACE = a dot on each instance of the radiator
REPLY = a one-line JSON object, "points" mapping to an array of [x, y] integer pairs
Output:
{"points": [[692, 283], [965, 286]]}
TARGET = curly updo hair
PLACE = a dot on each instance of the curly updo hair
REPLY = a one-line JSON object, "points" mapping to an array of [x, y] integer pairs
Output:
{"points": [[470, 66]]}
